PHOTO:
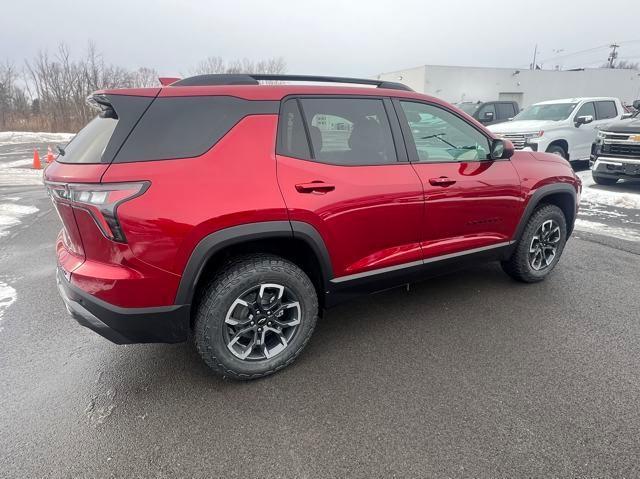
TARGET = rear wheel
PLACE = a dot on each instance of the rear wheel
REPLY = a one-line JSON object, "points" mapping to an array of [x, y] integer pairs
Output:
{"points": [[255, 317], [601, 180], [540, 246]]}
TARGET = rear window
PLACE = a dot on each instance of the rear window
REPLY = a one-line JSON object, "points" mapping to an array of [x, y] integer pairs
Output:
{"points": [[606, 110], [186, 127], [89, 144]]}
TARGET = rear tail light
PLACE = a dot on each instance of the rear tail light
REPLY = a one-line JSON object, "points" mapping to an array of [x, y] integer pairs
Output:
{"points": [[100, 200]]}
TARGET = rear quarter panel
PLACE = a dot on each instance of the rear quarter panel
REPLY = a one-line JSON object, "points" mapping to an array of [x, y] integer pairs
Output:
{"points": [[232, 183]]}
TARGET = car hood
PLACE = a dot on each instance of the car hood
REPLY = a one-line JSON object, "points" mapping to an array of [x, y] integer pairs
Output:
{"points": [[521, 126], [630, 125]]}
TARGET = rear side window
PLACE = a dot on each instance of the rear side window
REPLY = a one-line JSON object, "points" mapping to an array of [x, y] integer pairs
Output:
{"points": [[349, 131], [186, 127], [488, 108], [505, 110], [606, 110], [292, 138], [89, 144]]}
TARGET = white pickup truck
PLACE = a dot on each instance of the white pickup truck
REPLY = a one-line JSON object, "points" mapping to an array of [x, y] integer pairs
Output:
{"points": [[565, 127]]}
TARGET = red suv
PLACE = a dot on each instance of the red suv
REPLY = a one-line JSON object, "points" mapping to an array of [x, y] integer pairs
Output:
{"points": [[234, 212]]}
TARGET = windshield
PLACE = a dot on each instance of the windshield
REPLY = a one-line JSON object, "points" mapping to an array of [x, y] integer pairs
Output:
{"points": [[468, 108], [549, 111]]}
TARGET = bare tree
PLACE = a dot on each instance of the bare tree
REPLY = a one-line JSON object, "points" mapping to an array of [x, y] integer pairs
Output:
{"points": [[275, 65], [623, 65]]}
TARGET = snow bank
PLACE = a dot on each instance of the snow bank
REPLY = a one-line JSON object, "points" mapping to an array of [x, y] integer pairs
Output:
{"points": [[8, 296], [16, 137], [12, 214], [622, 195]]}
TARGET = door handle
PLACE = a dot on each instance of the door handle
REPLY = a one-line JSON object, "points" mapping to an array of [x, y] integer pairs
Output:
{"points": [[315, 187], [442, 181]]}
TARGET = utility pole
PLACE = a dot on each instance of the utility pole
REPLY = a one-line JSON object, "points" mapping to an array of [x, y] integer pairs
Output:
{"points": [[535, 52], [613, 55]]}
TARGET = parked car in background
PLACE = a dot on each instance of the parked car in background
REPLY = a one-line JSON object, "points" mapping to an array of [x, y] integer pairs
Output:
{"points": [[564, 127], [616, 152], [232, 212], [491, 112]]}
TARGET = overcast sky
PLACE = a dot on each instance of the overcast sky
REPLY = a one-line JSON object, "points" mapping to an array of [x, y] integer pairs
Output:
{"points": [[357, 38]]}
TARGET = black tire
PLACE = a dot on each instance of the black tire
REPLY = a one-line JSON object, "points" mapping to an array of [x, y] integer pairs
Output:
{"points": [[601, 180], [520, 266], [241, 275], [557, 150]]}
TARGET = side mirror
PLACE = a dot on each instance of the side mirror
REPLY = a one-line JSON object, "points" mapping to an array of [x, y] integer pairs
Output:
{"points": [[501, 149], [626, 115], [487, 116], [636, 104], [583, 120]]}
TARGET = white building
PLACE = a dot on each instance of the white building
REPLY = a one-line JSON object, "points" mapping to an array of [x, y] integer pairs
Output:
{"points": [[456, 84]]}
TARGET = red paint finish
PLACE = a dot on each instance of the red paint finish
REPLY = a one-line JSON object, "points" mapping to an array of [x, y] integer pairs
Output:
{"points": [[369, 219], [468, 205]]}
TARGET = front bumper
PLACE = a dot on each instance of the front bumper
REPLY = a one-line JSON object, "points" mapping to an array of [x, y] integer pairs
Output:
{"points": [[169, 324], [615, 167]]}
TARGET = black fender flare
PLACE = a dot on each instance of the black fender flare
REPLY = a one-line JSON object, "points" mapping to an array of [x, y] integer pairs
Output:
{"points": [[539, 195], [221, 239]]}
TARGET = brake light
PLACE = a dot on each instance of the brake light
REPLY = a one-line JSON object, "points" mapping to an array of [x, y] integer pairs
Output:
{"points": [[100, 200]]}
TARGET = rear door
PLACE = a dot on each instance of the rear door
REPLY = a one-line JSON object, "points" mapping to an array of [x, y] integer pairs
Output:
{"points": [[343, 170], [471, 201]]}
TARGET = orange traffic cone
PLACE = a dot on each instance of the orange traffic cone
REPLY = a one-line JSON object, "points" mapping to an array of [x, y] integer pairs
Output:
{"points": [[49, 155], [36, 160]]}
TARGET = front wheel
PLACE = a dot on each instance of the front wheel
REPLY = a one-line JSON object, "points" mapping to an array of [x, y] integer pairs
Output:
{"points": [[601, 180], [557, 150], [540, 246], [255, 317]]}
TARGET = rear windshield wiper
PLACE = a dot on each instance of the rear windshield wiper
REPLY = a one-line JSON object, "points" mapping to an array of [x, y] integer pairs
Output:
{"points": [[60, 150]]}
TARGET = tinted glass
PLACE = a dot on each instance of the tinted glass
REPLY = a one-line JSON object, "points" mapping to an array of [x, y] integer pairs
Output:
{"points": [[505, 111], [586, 110], [490, 108], [606, 109], [349, 131], [547, 111], [292, 139], [89, 144], [442, 136], [185, 127]]}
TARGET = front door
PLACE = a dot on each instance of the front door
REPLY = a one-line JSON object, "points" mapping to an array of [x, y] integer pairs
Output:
{"points": [[471, 201], [340, 171]]}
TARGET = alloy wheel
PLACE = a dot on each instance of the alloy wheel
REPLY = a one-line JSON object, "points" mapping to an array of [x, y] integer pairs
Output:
{"points": [[544, 245], [261, 322]]}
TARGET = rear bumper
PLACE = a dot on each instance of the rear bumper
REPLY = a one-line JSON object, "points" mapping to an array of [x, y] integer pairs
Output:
{"points": [[169, 324]]}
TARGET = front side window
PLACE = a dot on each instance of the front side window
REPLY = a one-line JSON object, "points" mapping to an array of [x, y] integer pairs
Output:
{"points": [[587, 110], [442, 136], [349, 131], [606, 110]]}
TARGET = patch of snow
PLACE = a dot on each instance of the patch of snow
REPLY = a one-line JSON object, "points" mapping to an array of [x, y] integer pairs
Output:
{"points": [[8, 296], [11, 214], [16, 163], [16, 137], [607, 230], [20, 177]]}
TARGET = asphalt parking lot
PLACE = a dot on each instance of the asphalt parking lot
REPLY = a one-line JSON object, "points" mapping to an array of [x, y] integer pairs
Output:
{"points": [[467, 375]]}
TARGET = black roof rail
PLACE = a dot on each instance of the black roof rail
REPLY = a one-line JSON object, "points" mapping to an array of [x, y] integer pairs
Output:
{"points": [[254, 79]]}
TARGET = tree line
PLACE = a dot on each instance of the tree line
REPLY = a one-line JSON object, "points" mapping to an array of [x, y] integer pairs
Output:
{"points": [[49, 92]]}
